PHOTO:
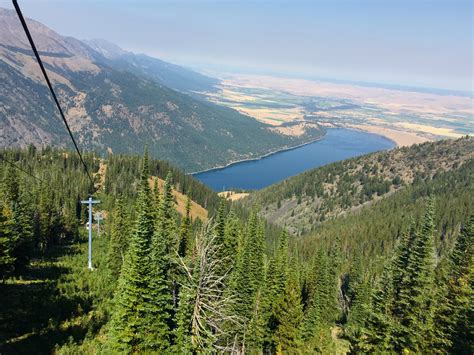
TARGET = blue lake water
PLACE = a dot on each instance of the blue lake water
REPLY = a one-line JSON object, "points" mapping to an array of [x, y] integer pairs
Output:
{"points": [[338, 144]]}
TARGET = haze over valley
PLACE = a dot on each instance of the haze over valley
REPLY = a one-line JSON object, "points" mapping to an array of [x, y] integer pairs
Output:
{"points": [[236, 177]]}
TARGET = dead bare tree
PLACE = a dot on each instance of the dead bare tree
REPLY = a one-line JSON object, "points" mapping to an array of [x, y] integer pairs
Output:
{"points": [[205, 280]]}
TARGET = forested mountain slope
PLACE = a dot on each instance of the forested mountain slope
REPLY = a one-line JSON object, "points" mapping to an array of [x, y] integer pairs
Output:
{"points": [[110, 108], [388, 270], [302, 202], [392, 277]]}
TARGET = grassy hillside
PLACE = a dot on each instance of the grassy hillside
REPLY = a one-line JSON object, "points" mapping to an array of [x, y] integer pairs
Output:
{"points": [[303, 202]]}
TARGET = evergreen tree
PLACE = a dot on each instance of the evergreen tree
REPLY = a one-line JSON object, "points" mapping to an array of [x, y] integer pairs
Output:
{"points": [[184, 326], [11, 185], [160, 303], [400, 273], [403, 306], [379, 331], [185, 231], [417, 294], [455, 313], [220, 222], [275, 281], [247, 279], [166, 230], [23, 230], [137, 317], [288, 313], [7, 240], [316, 328], [232, 234], [118, 239], [281, 260], [167, 222], [255, 333], [358, 298]]}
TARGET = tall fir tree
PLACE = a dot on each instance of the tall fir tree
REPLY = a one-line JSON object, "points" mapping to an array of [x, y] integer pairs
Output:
{"points": [[378, 334], [232, 235], [185, 231], [166, 220], [7, 240], [119, 235], [316, 331], [248, 275], [135, 316], [289, 316], [454, 316], [417, 293]]}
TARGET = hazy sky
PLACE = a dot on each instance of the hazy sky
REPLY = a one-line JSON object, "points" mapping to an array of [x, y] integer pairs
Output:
{"points": [[411, 42]]}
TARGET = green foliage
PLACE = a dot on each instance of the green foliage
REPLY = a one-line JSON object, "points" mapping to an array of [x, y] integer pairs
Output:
{"points": [[403, 307], [118, 239], [288, 312], [7, 240], [386, 277], [140, 316], [453, 318]]}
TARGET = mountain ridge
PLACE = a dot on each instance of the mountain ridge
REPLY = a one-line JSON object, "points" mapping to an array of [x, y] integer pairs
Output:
{"points": [[303, 202], [112, 109]]}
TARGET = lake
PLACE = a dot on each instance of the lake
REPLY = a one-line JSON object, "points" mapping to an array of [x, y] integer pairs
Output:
{"points": [[338, 144]]}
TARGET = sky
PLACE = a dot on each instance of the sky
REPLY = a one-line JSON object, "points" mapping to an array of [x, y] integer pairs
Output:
{"points": [[407, 42]]}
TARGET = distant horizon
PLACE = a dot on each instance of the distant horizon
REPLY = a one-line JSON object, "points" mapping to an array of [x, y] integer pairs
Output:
{"points": [[206, 69], [422, 44]]}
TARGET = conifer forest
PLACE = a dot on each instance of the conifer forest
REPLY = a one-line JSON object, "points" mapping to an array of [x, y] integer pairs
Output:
{"points": [[393, 277]]}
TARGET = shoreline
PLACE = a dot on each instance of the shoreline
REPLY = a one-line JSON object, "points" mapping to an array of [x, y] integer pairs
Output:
{"points": [[220, 167], [399, 138], [395, 145]]}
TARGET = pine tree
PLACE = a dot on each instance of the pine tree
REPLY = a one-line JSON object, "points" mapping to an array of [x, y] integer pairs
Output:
{"points": [[183, 332], [232, 234], [7, 240], [417, 294], [185, 231], [379, 330], [255, 333], [289, 316], [220, 222], [248, 277], [167, 222], [11, 185], [400, 272], [167, 233], [160, 298], [318, 317], [281, 260], [23, 230], [358, 298], [357, 318], [455, 313], [402, 311], [136, 315], [275, 281], [118, 239]]}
